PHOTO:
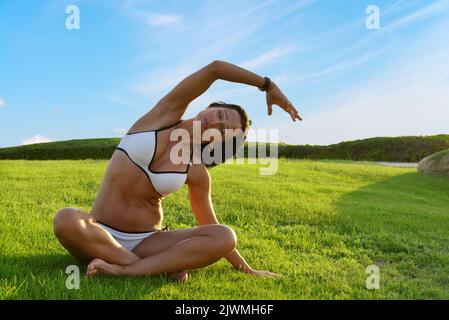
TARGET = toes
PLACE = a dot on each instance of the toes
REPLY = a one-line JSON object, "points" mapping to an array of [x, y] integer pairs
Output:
{"points": [[91, 268], [182, 276], [91, 271]]}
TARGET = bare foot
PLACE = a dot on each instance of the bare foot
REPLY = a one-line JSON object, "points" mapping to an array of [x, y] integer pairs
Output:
{"points": [[100, 266], [181, 276]]}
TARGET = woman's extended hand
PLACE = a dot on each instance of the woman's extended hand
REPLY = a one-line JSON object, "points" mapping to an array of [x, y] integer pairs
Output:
{"points": [[262, 273], [274, 95]]}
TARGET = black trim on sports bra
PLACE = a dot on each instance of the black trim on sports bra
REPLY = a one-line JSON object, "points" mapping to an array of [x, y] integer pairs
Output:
{"points": [[154, 153], [163, 128], [155, 149], [137, 165]]}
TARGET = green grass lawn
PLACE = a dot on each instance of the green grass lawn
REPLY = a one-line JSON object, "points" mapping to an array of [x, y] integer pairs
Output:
{"points": [[319, 223]]}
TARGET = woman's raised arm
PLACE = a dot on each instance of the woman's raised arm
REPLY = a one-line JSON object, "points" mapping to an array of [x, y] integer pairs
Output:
{"points": [[190, 88], [198, 82], [173, 105]]}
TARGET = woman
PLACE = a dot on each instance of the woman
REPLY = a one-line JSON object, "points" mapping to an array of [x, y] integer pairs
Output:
{"points": [[122, 234]]}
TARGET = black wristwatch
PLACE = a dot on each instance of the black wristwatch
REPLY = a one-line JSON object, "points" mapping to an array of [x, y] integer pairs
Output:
{"points": [[266, 84]]}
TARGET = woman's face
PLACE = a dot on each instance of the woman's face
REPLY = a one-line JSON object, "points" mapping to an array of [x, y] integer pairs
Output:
{"points": [[219, 118]]}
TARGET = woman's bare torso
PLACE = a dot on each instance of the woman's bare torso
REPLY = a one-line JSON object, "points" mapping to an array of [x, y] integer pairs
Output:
{"points": [[126, 199]]}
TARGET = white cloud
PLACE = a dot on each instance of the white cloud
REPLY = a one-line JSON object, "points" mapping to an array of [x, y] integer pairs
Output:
{"points": [[409, 99], [406, 20], [159, 81], [226, 33], [335, 70], [435, 8], [419, 110], [162, 20], [37, 138], [120, 131], [268, 56], [2, 102], [217, 30], [147, 17]]}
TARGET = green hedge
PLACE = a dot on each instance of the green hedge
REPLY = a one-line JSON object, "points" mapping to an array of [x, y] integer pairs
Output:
{"points": [[61, 150], [397, 149]]}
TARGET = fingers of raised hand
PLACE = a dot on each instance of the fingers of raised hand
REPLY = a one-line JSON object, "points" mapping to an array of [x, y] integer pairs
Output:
{"points": [[294, 114], [270, 109]]}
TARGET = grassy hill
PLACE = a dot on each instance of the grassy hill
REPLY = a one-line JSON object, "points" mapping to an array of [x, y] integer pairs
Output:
{"points": [[397, 149]]}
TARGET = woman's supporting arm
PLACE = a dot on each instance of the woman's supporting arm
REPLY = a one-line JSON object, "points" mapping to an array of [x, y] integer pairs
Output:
{"points": [[237, 261], [201, 202], [200, 199]]}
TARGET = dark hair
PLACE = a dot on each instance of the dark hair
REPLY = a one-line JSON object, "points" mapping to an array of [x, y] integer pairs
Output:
{"points": [[245, 123], [243, 116]]}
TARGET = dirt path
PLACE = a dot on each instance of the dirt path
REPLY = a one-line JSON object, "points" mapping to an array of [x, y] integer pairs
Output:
{"points": [[399, 164]]}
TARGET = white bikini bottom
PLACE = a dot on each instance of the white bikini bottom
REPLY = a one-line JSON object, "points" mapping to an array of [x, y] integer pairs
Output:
{"points": [[126, 239]]}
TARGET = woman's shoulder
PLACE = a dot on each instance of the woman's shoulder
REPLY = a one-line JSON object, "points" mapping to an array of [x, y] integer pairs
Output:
{"points": [[158, 118]]}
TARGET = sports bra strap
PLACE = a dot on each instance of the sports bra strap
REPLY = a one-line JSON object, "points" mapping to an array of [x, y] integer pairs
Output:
{"points": [[156, 130]]}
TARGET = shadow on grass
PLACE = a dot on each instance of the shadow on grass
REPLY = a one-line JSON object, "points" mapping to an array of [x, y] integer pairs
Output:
{"points": [[409, 204], [402, 225], [44, 276]]}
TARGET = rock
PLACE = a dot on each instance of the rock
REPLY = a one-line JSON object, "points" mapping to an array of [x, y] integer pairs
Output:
{"points": [[437, 163]]}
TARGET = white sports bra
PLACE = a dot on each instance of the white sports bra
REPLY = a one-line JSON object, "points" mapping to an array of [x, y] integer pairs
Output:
{"points": [[140, 147]]}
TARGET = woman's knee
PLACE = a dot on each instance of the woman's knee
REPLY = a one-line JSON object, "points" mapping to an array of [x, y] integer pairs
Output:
{"points": [[69, 223], [224, 237]]}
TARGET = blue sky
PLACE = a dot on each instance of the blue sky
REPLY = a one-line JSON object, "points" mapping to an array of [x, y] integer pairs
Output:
{"points": [[347, 81]]}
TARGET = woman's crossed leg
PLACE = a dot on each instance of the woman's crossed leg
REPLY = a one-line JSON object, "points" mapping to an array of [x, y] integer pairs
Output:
{"points": [[163, 252]]}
